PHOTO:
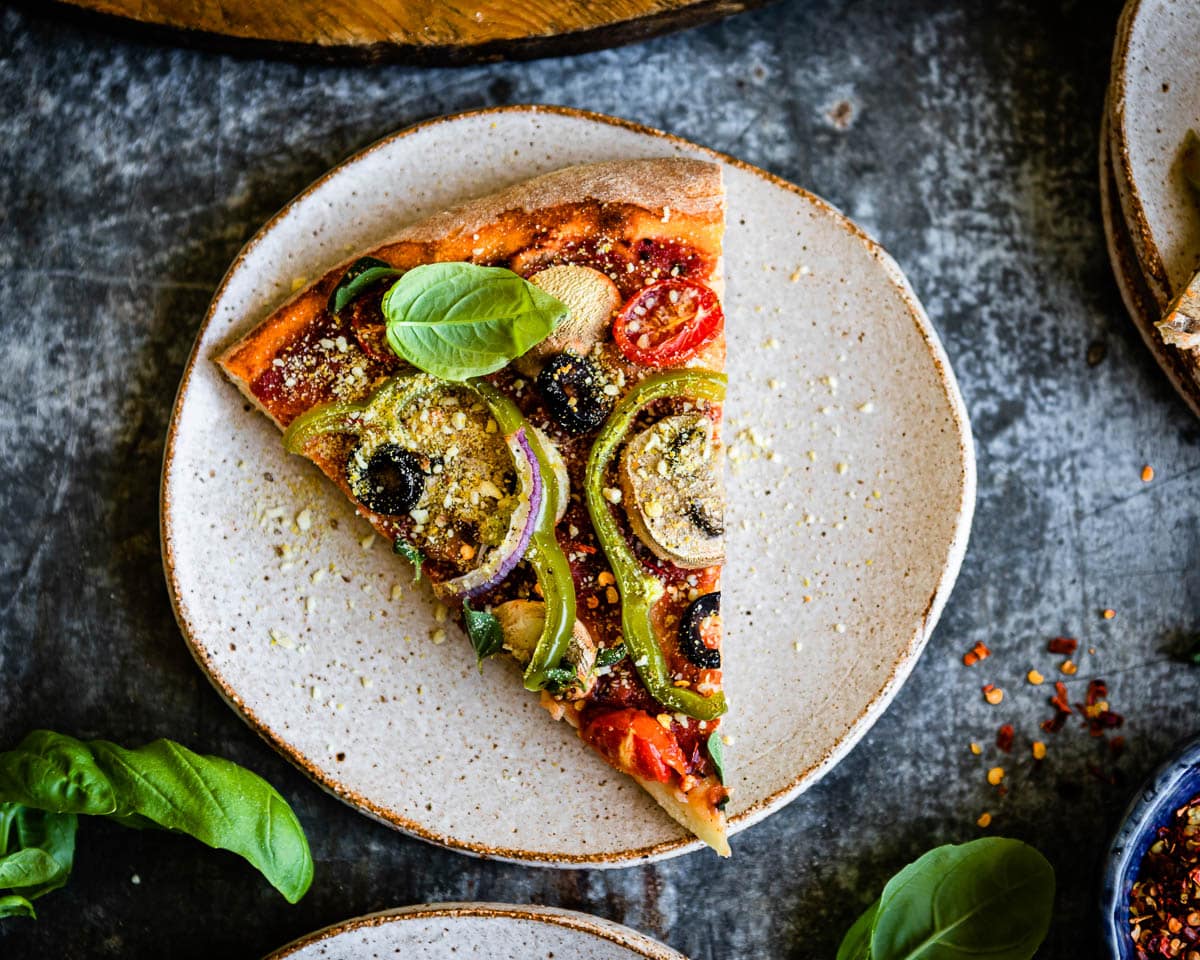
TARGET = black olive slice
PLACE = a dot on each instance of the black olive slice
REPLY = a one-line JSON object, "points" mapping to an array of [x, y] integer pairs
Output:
{"points": [[690, 641], [391, 482], [573, 389]]}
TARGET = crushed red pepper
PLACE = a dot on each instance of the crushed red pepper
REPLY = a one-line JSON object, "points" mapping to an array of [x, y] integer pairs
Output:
{"points": [[1004, 738], [1063, 645], [1164, 918], [975, 654]]}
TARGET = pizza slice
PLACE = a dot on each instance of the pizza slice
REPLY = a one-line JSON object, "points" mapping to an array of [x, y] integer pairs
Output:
{"points": [[524, 395]]}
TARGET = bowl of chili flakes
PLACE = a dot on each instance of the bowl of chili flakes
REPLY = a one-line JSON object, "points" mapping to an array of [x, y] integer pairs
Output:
{"points": [[1150, 899]]}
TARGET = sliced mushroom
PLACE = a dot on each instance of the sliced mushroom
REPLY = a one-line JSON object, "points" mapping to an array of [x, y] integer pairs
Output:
{"points": [[671, 485], [592, 300], [522, 621]]}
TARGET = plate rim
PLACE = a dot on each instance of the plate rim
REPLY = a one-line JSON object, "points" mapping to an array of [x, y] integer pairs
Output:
{"points": [[1132, 283], [609, 930], [901, 669]]}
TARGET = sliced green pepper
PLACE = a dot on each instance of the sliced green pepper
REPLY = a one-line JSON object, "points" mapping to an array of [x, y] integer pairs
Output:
{"points": [[639, 590], [543, 554], [381, 410]]}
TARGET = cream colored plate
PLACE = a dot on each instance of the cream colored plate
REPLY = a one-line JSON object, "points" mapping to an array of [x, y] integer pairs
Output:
{"points": [[1155, 100], [459, 931], [851, 495]]}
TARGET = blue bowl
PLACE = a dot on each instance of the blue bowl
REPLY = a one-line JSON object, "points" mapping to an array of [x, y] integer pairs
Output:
{"points": [[1170, 787]]}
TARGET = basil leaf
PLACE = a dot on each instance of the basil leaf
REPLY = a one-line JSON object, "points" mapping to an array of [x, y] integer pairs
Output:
{"points": [[37, 850], [215, 801], [459, 320], [856, 945], [557, 678], [410, 553], [610, 656], [716, 753], [991, 898], [15, 905], [362, 274], [49, 771], [161, 785], [484, 631]]}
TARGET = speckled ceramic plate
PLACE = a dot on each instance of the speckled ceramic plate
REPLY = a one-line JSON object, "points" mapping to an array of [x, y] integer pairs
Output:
{"points": [[1151, 217], [454, 931], [1155, 100], [851, 490]]}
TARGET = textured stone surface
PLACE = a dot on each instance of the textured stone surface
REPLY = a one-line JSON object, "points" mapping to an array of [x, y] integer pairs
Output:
{"points": [[961, 134]]}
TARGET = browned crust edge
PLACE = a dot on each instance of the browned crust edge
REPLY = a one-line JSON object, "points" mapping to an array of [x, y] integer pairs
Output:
{"points": [[901, 668]]}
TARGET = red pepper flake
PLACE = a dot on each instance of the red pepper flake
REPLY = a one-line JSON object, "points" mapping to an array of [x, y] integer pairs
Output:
{"points": [[1004, 738], [975, 654], [1063, 645], [1162, 916], [992, 693]]}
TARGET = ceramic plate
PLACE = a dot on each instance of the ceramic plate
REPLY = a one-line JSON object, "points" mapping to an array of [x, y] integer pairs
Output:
{"points": [[851, 491], [454, 931], [1155, 101]]}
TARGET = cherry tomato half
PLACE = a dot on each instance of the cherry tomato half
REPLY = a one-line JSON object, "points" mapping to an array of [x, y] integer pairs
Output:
{"points": [[634, 742], [666, 323]]}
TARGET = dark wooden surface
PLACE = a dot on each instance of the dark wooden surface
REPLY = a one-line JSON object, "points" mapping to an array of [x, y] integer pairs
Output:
{"points": [[962, 134], [430, 32]]}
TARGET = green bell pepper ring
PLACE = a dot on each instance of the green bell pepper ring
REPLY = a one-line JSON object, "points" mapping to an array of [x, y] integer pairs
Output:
{"points": [[544, 554], [639, 590]]}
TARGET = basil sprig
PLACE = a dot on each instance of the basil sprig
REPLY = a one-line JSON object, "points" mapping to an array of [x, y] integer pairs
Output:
{"points": [[459, 320], [990, 898], [484, 631], [50, 778]]}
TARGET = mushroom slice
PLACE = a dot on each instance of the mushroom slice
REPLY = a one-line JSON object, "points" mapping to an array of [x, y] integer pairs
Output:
{"points": [[591, 299], [673, 492], [521, 623]]}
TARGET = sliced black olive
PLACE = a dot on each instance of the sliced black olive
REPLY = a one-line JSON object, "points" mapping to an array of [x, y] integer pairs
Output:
{"points": [[690, 641], [704, 521], [573, 389], [392, 480]]}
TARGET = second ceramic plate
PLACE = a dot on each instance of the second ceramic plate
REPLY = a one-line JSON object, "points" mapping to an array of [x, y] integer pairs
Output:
{"points": [[851, 489], [454, 931]]}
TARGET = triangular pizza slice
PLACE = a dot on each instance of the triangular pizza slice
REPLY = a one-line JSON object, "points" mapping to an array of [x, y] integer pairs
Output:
{"points": [[524, 395]]}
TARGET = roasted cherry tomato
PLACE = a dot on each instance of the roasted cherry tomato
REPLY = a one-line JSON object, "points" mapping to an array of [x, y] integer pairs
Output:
{"points": [[666, 323], [634, 742]]}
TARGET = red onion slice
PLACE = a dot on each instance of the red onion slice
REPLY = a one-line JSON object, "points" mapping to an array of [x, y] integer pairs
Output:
{"points": [[501, 559]]}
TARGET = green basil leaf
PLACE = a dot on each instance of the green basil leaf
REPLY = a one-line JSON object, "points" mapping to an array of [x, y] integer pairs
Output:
{"points": [[484, 631], [15, 905], [410, 553], [558, 678], [215, 801], [991, 898], [610, 656], [716, 753], [37, 851], [459, 320], [856, 945], [51, 771], [362, 274]]}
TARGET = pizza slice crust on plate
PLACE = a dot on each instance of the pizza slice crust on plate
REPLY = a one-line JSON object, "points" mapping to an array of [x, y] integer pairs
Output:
{"points": [[621, 244]]}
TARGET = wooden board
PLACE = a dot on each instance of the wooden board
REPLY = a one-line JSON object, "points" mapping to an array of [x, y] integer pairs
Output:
{"points": [[415, 31]]}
